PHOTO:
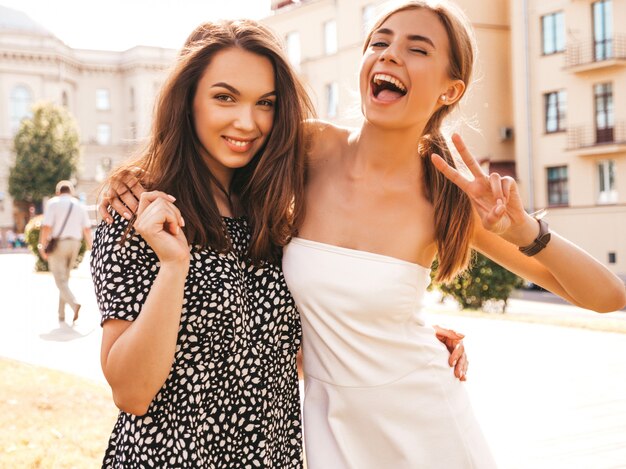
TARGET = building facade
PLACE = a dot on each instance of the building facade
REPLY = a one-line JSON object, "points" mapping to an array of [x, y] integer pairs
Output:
{"points": [[110, 94], [548, 102], [570, 118], [547, 105]]}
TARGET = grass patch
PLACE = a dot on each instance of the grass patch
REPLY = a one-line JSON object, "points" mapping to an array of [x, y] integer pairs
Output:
{"points": [[50, 419]]}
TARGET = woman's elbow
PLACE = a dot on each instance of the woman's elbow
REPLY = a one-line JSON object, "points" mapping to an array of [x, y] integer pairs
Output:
{"points": [[613, 301], [131, 404]]}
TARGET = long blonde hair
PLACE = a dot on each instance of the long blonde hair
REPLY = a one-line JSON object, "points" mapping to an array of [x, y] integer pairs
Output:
{"points": [[453, 210]]}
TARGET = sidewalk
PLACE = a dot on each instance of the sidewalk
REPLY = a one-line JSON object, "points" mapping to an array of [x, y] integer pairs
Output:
{"points": [[30, 330], [547, 397]]}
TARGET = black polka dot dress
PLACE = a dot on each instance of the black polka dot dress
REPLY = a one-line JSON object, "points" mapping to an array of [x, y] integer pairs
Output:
{"points": [[231, 399]]}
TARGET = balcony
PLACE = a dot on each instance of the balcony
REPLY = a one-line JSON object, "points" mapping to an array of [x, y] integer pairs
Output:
{"points": [[590, 55], [587, 140]]}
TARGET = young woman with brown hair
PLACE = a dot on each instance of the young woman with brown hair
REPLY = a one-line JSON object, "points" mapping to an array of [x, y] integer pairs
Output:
{"points": [[200, 333]]}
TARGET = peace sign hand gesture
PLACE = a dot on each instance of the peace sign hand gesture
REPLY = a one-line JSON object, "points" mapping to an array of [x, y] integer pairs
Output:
{"points": [[495, 198]]}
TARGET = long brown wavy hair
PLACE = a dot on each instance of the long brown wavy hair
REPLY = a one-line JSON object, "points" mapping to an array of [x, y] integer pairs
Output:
{"points": [[453, 209], [270, 187]]}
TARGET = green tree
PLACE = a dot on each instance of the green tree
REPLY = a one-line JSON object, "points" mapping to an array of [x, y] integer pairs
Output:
{"points": [[46, 151], [484, 282]]}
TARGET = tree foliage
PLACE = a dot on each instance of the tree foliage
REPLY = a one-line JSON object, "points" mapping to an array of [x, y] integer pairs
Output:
{"points": [[485, 282], [46, 151]]}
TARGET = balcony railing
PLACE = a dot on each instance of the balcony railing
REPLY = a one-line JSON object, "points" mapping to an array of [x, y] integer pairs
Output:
{"points": [[588, 136], [593, 52]]}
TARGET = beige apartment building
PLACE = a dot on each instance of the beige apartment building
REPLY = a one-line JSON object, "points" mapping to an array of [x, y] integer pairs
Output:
{"points": [[109, 93], [569, 72], [548, 104]]}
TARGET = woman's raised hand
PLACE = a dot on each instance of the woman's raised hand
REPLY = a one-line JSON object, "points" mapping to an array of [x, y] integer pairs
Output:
{"points": [[122, 196], [159, 222], [495, 198]]}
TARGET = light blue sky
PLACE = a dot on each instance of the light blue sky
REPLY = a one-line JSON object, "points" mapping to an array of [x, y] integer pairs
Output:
{"points": [[121, 24]]}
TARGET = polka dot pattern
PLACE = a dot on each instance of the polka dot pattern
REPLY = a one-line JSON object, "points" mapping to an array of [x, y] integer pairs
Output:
{"points": [[231, 399]]}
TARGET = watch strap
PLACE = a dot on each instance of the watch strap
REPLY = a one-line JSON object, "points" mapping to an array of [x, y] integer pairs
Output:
{"points": [[540, 242]]}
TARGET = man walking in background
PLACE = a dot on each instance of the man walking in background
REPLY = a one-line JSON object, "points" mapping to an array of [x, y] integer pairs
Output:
{"points": [[64, 225]]}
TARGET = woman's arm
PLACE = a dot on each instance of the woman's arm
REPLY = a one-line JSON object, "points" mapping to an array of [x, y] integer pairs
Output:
{"points": [[137, 356], [561, 267], [502, 226]]}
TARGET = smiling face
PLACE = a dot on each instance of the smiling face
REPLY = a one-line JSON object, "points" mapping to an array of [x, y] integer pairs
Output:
{"points": [[233, 109], [404, 75]]}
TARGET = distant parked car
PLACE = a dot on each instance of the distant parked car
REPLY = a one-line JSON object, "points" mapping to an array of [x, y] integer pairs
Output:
{"points": [[532, 286]]}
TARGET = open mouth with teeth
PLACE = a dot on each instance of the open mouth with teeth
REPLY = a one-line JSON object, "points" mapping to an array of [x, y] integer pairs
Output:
{"points": [[387, 88]]}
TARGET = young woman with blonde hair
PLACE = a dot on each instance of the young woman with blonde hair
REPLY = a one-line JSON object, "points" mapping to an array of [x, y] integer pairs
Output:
{"points": [[381, 202]]}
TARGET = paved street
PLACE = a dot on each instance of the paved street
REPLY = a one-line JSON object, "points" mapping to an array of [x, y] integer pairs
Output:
{"points": [[548, 397]]}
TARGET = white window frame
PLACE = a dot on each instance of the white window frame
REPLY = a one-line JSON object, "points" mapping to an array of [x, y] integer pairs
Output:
{"points": [[553, 33], [103, 99], [293, 47], [104, 134], [330, 37], [607, 193], [21, 101], [368, 13], [332, 99]]}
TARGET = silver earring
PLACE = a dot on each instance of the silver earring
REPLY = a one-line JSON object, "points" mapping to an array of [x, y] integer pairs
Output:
{"points": [[444, 98]]}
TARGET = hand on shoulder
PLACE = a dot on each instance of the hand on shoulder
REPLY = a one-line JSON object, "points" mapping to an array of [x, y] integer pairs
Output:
{"points": [[325, 138]]}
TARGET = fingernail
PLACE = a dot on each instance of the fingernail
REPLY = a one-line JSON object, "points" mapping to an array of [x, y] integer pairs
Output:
{"points": [[454, 362], [172, 198], [109, 220], [182, 221], [126, 215]]}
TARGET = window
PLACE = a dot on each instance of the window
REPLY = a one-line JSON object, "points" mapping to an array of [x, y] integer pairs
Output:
{"points": [[330, 37], [603, 97], [332, 99], [20, 103], [553, 33], [293, 48], [103, 100], [557, 186], [607, 194], [602, 30], [555, 103], [103, 135], [367, 18], [131, 97], [103, 168]]}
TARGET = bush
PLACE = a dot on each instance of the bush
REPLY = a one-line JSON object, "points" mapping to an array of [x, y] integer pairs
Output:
{"points": [[484, 285], [31, 233]]}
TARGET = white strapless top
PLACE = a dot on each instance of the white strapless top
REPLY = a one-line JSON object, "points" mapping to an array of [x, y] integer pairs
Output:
{"points": [[378, 389]]}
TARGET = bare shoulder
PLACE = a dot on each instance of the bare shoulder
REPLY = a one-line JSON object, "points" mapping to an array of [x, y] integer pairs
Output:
{"points": [[326, 139]]}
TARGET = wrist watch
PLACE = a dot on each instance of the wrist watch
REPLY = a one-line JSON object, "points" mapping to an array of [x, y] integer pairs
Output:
{"points": [[540, 242]]}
